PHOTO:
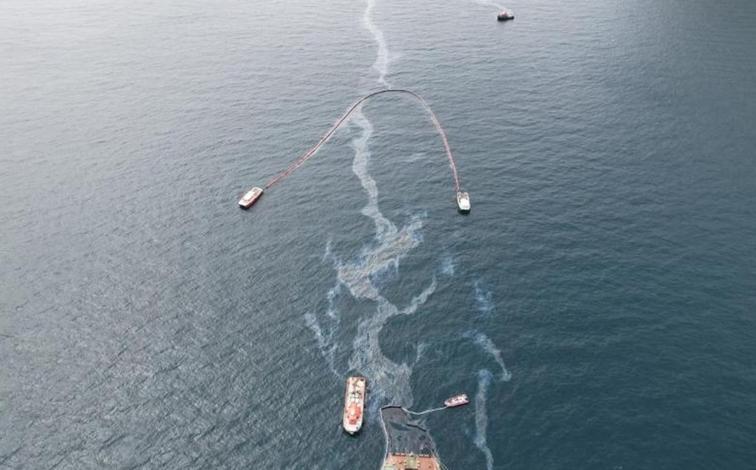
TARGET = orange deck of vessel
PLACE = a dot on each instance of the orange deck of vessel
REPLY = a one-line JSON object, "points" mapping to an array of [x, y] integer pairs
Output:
{"points": [[424, 462]]}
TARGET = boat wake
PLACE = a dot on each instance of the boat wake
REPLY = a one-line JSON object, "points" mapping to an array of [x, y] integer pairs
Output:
{"points": [[491, 4]]}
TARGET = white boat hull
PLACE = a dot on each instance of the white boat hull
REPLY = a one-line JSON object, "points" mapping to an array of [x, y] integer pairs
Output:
{"points": [[457, 400], [463, 202], [250, 197]]}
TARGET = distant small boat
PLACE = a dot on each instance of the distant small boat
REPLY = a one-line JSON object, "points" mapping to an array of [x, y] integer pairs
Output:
{"points": [[505, 16], [248, 199], [463, 201], [354, 404], [456, 400]]}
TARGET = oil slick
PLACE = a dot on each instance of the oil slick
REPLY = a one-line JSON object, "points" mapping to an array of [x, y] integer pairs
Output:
{"points": [[490, 348], [383, 59], [360, 277], [481, 416], [483, 299]]}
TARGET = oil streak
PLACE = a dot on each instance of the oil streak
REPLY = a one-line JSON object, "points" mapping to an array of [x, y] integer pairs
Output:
{"points": [[382, 61], [483, 299], [389, 381], [490, 348], [481, 416]]}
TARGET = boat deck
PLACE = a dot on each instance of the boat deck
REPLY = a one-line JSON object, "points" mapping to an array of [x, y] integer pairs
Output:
{"points": [[410, 462]]}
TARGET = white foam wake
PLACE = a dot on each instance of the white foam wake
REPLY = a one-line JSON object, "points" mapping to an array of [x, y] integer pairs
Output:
{"points": [[481, 416], [381, 63]]}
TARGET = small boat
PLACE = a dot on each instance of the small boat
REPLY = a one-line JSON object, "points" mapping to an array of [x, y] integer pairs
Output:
{"points": [[250, 198], [456, 400], [463, 201], [354, 404], [504, 16]]}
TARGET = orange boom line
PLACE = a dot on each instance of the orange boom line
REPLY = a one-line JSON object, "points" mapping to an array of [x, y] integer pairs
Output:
{"points": [[313, 150]]}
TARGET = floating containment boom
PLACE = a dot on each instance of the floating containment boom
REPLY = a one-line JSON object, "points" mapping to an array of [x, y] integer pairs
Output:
{"points": [[355, 106]]}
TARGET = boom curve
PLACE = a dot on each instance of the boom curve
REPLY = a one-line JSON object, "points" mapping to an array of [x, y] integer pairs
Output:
{"points": [[327, 136]]}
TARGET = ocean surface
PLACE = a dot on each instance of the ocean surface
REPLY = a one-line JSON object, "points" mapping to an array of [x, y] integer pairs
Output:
{"points": [[598, 304]]}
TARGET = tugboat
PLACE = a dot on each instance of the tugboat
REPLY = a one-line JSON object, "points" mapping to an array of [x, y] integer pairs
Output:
{"points": [[456, 400], [463, 202], [250, 198], [354, 404], [504, 16]]}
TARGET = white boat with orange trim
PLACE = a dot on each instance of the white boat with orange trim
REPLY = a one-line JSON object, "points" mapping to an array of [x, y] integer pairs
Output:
{"points": [[250, 198], [456, 400], [354, 404]]}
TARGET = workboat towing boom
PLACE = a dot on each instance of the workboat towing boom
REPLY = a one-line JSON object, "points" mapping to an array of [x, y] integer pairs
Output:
{"points": [[250, 197]]}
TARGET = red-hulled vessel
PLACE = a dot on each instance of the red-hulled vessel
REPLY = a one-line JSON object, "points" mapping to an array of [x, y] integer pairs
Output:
{"points": [[354, 404]]}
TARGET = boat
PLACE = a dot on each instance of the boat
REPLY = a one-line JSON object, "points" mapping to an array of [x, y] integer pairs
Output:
{"points": [[504, 15], [354, 404], [250, 197], [463, 201], [456, 400]]}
